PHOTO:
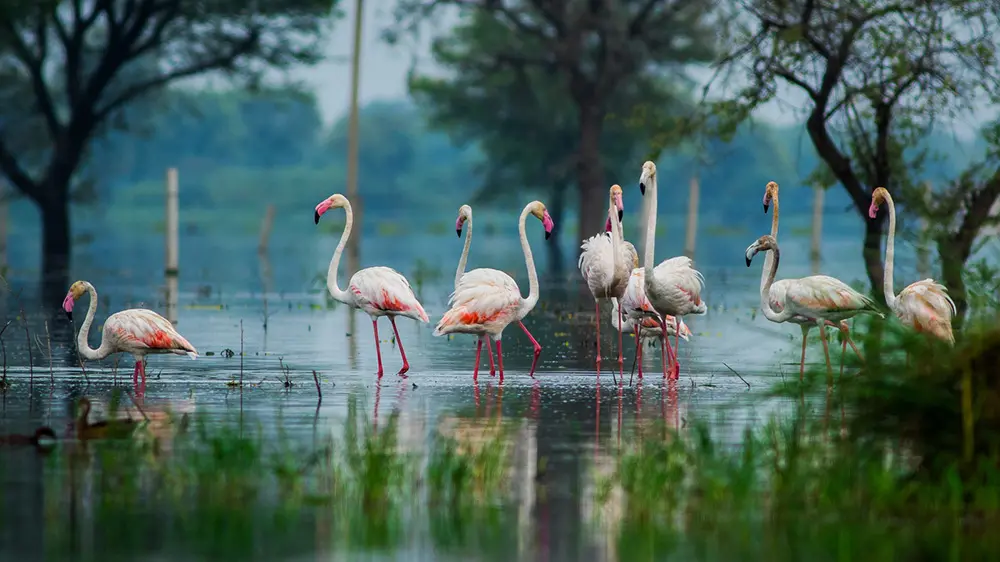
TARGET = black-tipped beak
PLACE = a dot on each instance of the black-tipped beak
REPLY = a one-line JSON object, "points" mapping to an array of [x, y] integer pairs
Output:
{"points": [[547, 235], [765, 208], [69, 314], [621, 214], [642, 188], [748, 260], [458, 231], [317, 217]]}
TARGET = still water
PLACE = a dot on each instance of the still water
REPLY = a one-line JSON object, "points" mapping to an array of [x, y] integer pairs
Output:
{"points": [[566, 423]]}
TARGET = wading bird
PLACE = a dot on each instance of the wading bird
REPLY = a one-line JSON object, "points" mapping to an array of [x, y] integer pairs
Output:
{"points": [[138, 331], [378, 291], [648, 327], [924, 305], [605, 262], [673, 287], [487, 300], [819, 299], [778, 288], [465, 216]]}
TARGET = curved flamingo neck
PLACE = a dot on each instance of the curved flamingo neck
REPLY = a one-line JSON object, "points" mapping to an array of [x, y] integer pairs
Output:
{"points": [[465, 251], [890, 254], [769, 259], [650, 230], [616, 233], [765, 289], [331, 274], [82, 345], [529, 261]]}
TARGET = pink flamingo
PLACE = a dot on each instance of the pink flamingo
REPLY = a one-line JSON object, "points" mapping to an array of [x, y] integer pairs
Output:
{"points": [[674, 287], [642, 319], [819, 299], [465, 215], [487, 300], [605, 263], [779, 288], [924, 305], [378, 291], [137, 331]]}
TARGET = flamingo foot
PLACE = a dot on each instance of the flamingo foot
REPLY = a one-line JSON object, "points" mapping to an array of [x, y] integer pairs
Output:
{"points": [[489, 351], [538, 349], [402, 353]]}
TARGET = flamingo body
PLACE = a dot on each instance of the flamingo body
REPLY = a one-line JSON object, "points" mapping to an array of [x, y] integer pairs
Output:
{"points": [[485, 301], [818, 297], [675, 288], [926, 307], [383, 291]]}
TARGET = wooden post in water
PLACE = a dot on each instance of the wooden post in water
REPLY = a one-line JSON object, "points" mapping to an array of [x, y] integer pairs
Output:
{"points": [[353, 245], [923, 261], [692, 218], [817, 228], [265, 230], [173, 244]]}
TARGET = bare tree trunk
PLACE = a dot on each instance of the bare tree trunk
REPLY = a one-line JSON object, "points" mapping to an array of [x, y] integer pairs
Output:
{"points": [[55, 248], [558, 207], [872, 255], [590, 173], [952, 266]]}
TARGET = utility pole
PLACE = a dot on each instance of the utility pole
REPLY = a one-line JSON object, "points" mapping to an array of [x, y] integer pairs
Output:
{"points": [[353, 249]]}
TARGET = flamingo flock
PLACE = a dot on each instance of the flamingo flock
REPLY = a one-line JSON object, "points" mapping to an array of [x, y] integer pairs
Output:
{"points": [[650, 300]]}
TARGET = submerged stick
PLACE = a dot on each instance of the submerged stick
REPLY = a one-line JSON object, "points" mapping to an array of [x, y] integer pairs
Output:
{"points": [[319, 391], [738, 375], [48, 340], [3, 350], [27, 335]]}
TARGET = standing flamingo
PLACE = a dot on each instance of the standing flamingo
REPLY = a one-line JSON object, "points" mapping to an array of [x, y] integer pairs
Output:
{"points": [[924, 305], [465, 215], [378, 291], [137, 331], [605, 263], [778, 288], [487, 300], [673, 287], [819, 299], [650, 328]]}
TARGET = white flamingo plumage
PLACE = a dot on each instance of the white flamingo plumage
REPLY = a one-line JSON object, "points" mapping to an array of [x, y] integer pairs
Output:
{"points": [[924, 305], [137, 331], [779, 288], [647, 326], [378, 291], [465, 215], [487, 300], [674, 287], [819, 299], [606, 260]]}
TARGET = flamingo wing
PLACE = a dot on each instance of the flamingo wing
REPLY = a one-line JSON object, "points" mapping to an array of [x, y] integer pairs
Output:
{"points": [[142, 329], [383, 290], [597, 263], [634, 301], [821, 296], [679, 286], [926, 307], [485, 300]]}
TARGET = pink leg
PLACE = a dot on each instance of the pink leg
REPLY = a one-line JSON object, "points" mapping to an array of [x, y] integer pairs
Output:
{"points": [[479, 350], [399, 342], [597, 322], [489, 351], [500, 360], [621, 368], [638, 350], [135, 376], [538, 348], [142, 375], [378, 349]]}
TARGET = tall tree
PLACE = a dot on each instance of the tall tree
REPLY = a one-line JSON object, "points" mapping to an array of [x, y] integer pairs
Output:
{"points": [[876, 76], [85, 61], [583, 54]]}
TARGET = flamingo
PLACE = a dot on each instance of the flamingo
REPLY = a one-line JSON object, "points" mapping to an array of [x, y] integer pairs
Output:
{"points": [[650, 325], [924, 305], [605, 263], [378, 291], [674, 287], [819, 299], [137, 331], [778, 289], [465, 215], [487, 300]]}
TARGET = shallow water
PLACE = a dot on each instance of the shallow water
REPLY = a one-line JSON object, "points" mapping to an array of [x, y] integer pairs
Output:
{"points": [[571, 421]]}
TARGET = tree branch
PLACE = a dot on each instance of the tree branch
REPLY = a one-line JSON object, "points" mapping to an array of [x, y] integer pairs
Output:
{"points": [[977, 214], [35, 65], [16, 174]]}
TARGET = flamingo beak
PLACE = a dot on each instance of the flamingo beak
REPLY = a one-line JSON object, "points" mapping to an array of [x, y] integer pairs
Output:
{"points": [[766, 206], [873, 210], [458, 226], [751, 252], [620, 205], [642, 187], [317, 217], [323, 207], [67, 305], [547, 224]]}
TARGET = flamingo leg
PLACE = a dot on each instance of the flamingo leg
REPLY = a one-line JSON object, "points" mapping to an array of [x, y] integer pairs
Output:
{"points": [[142, 376], [406, 364], [675, 370], [500, 360], [802, 363], [638, 352], [597, 322], [135, 376], [489, 352], [847, 337], [378, 349], [538, 348], [479, 350], [621, 371], [826, 351]]}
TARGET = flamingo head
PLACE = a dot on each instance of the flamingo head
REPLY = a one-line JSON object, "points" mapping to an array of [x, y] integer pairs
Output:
{"points": [[770, 191], [334, 201], [76, 290], [878, 197], [464, 214], [762, 244], [539, 211], [648, 174], [616, 200]]}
